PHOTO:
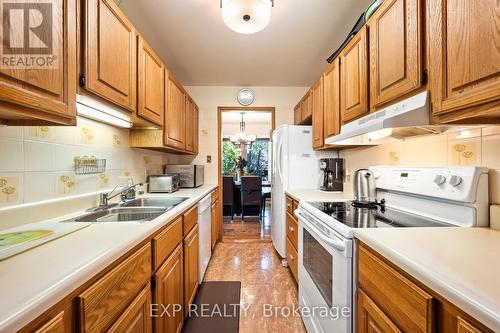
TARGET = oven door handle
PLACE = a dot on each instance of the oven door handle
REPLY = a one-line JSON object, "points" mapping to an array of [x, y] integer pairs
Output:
{"points": [[338, 245]]}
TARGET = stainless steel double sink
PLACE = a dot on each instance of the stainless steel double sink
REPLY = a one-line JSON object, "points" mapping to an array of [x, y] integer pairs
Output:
{"points": [[138, 210]]}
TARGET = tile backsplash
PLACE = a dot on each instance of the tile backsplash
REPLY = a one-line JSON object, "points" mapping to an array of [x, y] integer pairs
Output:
{"points": [[36, 163], [476, 147]]}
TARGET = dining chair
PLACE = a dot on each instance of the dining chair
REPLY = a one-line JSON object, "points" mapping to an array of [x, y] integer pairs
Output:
{"points": [[251, 193], [228, 193]]}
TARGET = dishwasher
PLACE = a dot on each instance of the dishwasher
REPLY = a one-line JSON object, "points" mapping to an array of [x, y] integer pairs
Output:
{"points": [[204, 235]]}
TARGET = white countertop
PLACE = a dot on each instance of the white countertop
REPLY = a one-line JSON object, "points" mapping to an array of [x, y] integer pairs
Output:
{"points": [[316, 195], [460, 264], [34, 281]]}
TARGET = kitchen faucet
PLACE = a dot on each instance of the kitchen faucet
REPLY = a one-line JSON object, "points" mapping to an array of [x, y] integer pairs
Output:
{"points": [[105, 197]]}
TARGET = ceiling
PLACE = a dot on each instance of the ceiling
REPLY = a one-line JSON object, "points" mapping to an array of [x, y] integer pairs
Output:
{"points": [[192, 40]]}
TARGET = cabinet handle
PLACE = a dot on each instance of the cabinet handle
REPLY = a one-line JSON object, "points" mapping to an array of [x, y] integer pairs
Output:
{"points": [[291, 229], [292, 258]]}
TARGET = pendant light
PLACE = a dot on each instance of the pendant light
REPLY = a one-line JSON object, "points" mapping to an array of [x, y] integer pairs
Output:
{"points": [[242, 138], [246, 16]]}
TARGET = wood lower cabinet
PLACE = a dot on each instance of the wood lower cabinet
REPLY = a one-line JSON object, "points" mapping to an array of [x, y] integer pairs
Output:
{"points": [[396, 49], [40, 96], [215, 222], [371, 319], [292, 239], [331, 91], [317, 114], [151, 84], [354, 78], [464, 58], [191, 260], [110, 54], [175, 115], [170, 293], [100, 305], [389, 300], [136, 318], [55, 325]]}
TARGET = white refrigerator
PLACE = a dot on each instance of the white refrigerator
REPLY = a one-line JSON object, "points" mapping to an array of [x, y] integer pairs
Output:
{"points": [[295, 166]]}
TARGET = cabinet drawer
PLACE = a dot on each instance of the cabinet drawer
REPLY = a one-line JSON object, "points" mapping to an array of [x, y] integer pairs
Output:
{"points": [[100, 304], [136, 317], [407, 305], [289, 205], [292, 258], [292, 231], [166, 242], [190, 220]]}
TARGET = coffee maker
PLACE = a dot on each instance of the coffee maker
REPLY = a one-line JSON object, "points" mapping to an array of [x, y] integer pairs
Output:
{"points": [[333, 174]]}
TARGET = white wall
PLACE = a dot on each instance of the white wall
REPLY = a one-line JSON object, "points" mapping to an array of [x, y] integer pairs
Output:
{"points": [[209, 98]]}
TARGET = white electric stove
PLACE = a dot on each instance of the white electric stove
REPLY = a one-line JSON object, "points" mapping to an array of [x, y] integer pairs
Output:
{"points": [[409, 197]]}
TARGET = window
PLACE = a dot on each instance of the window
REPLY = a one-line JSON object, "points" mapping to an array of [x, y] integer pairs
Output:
{"points": [[258, 158]]}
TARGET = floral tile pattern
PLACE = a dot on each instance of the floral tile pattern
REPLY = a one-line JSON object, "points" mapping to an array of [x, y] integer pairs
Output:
{"points": [[10, 189], [66, 184]]}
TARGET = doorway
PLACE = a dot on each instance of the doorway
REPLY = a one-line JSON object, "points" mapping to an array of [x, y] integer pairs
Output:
{"points": [[244, 169]]}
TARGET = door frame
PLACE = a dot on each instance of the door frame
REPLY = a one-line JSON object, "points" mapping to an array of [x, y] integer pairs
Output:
{"points": [[220, 110]]}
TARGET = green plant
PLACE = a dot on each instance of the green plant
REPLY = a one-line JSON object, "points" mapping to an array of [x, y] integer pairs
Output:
{"points": [[229, 154]]}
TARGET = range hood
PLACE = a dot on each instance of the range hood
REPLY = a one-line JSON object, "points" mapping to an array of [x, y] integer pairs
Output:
{"points": [[405, 119]]}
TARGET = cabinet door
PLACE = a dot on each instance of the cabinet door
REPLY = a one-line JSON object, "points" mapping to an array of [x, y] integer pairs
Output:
{"points": [[306, 107], [46, 93], [317, 116], [170, 292], [371, 319], [354, 78], [464, 53], [151, 85], [297, 114], [331, 90], [136, 318], [111, 54], [196, 130], [175, 116], [395, 50], [189, 124], [191, 258], [215, 223]]}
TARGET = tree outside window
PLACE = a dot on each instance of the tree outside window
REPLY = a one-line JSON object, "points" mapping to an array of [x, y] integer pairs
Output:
{"points": [[229, 154], [258, 158]]}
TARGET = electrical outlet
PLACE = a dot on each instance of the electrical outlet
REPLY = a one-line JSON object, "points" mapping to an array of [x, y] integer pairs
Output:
{"points": [[209, 158]]}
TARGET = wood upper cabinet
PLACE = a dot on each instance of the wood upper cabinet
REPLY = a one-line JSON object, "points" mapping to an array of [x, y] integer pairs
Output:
{"points": [[395, 37], [43, 95], [196, 129], [151, 99], [110, 54], [331, 91], [306, 106], [464, 55], [191, 258], [354, 78], [190, 126], [371, 319], [175, 115], [170, 292], [317, 114], [297, 114], [136, 318]]}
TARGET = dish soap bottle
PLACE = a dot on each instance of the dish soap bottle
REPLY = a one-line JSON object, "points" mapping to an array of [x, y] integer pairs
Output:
{"points": [[130, 193]]}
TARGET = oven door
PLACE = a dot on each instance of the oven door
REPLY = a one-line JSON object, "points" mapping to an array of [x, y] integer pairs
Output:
{"points": [[325, 277]]}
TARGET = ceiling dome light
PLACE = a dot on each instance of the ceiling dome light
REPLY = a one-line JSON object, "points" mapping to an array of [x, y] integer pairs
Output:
{"points": [[246, 16]]}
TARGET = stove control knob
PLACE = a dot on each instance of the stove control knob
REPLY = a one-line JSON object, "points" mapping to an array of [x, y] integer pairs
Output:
{"points": [[455, 181], [440, 179]]}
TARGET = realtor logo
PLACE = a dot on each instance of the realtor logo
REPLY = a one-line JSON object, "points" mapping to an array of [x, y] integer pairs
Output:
{"points": [[27, 34]]}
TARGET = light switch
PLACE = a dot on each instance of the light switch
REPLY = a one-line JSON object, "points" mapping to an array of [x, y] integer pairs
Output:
{"points": [[209, 158]]}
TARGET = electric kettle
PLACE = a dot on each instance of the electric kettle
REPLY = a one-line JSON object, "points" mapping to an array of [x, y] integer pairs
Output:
{"points": [[364, 187]]}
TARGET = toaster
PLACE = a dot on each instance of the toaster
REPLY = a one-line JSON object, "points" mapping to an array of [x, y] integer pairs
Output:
{"points": [[167, 183]]}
